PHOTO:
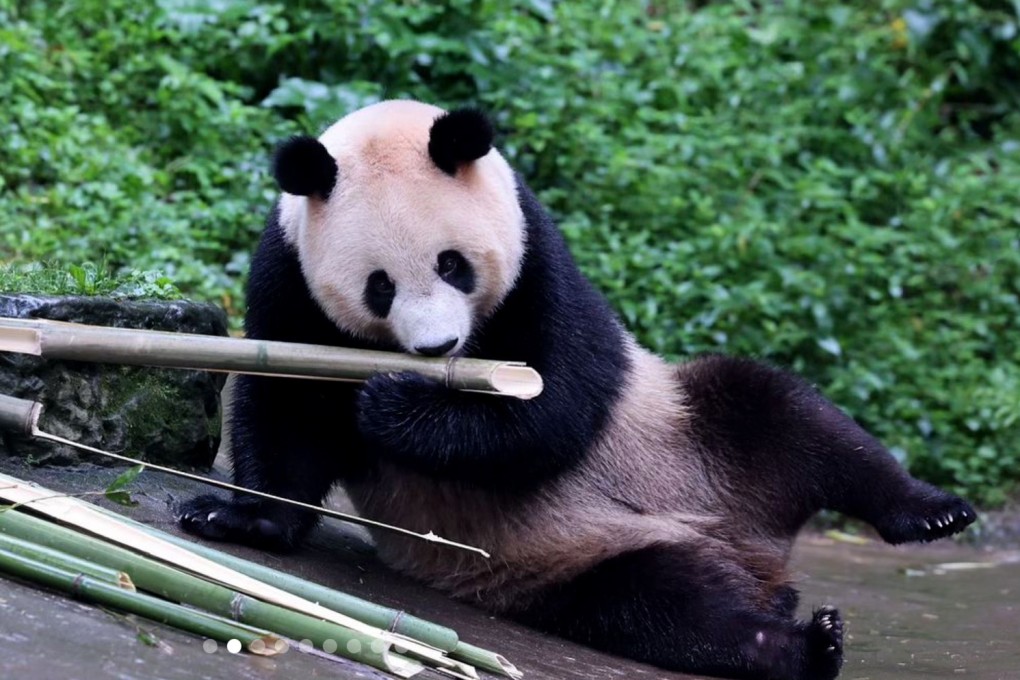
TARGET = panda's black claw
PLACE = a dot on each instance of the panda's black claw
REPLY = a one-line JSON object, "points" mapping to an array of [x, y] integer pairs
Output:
{"points": [[927, 516], [824, 650], [219, 519]]}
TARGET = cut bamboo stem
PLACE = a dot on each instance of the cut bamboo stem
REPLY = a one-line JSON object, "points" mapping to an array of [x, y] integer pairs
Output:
{"points": [[385, 618], [80, 342], [486, 660], [61, 560], [18, 415], [85, 587]]}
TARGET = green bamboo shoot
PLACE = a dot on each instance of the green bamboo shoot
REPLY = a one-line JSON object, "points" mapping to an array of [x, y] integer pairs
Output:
{"points": [[100, 592], [486, 660], [386, 618], [170, 583], [55, 558]]}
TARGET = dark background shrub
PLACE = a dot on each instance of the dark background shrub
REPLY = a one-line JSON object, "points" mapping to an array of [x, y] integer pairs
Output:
{"points": [[830, 186]]}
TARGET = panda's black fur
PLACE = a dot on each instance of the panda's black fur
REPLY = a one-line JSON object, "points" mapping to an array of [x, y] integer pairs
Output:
{"points": [[718, 603]]}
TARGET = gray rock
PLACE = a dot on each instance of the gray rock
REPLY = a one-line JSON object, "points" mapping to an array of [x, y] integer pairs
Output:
{"points": [[161, 415]]}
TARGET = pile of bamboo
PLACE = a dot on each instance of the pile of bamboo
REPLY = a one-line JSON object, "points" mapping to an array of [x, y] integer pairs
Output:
{"points": [[91, 553]]}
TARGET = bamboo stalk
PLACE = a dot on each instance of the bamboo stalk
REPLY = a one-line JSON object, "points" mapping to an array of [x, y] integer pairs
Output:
{"points": [[80, 342], [61, 560], [486, 660], [382, 617], [167, 582], [87, 588]]}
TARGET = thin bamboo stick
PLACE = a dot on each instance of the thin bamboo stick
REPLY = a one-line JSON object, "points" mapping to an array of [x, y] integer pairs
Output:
{"points": [[80, 342], [170, 583], [385, 618], [23, 415], [100, 592], [61, 560]]}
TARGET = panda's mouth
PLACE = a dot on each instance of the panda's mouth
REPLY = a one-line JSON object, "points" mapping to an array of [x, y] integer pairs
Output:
{"points": [[436, 349]]}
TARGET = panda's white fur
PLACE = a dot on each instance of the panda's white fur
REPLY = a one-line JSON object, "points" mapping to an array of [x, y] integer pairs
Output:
{"points": [[581, 519], [638, 506], [391, 210]]}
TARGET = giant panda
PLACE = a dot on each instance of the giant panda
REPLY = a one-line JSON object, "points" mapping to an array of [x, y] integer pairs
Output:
{"points": [[641, 507]]}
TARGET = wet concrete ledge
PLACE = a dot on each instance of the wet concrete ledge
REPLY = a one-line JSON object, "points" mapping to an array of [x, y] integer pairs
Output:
{"points": [[909, 614]]}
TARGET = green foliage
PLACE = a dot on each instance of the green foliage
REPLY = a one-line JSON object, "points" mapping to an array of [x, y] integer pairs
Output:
{"points": [[84, 279], [830, 186], [117, 490]]}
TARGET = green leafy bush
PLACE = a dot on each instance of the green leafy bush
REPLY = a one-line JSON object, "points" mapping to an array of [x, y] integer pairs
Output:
{"points": [[830, 186], [85, 279]]}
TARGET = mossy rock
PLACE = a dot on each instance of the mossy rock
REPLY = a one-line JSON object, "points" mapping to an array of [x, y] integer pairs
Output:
{"points": [[161, 415]]}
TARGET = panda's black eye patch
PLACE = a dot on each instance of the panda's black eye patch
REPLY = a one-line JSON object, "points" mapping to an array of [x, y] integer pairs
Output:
{"points": [[379, 293], [454, 268]]}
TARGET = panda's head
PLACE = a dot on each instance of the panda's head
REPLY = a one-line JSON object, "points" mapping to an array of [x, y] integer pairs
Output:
{"points": [[406, 222]]}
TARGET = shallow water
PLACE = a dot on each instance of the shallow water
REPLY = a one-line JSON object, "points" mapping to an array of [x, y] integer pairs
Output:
{"points": [[919, 612]]}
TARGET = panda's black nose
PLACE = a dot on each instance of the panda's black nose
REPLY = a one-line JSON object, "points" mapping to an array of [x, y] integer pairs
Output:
{"points": [[437, 350]]}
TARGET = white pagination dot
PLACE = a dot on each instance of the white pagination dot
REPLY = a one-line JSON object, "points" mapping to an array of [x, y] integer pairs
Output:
{"points": [[234, 646], [329, 646], [210, 646], [306, 645], [378, 646], [258, 645], [354, 646]]}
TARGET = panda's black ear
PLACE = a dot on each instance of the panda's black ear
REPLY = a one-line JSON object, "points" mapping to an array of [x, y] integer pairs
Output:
{"points": [[458, 137], [302, 166]]}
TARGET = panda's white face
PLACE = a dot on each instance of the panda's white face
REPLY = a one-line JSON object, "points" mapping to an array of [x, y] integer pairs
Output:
{"points": [[400, 251]]}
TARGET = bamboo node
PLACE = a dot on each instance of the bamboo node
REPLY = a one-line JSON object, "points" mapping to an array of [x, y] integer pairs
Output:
{"points": [[396, 621], [449, 372], [237, 606]]}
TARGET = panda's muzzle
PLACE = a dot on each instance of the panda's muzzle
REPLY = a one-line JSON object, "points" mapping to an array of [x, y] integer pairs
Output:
{"points": [[437, 350]]}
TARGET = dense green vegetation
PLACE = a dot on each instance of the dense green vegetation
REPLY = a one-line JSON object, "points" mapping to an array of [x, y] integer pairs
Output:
{"points": [[831, 186], [85, 279]]}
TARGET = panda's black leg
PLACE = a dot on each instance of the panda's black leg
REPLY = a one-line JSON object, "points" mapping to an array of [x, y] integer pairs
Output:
{"points": [[784, 601], [860, 478], [280, 444], [679, 610], [902, 509], [792, 452]]}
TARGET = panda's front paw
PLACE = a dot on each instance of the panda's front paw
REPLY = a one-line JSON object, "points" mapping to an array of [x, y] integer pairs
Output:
{"points": [[220, 519], [391, 403]]}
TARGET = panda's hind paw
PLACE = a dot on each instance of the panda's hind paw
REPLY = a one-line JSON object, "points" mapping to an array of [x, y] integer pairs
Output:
{"points": [[219, 519], [926, 517], [824, 651]]}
